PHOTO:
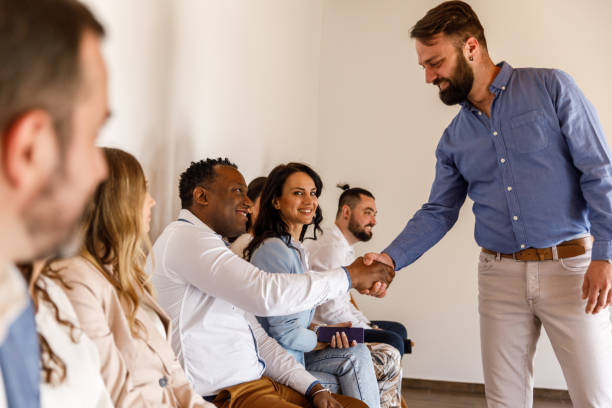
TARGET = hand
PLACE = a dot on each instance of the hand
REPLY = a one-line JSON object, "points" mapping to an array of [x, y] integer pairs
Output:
{"points": [[382, 258], [370, 279], [340, 340], [597, 286], [323, 399]]}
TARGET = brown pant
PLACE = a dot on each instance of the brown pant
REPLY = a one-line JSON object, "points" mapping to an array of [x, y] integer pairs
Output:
{"points": [[266, 393]]}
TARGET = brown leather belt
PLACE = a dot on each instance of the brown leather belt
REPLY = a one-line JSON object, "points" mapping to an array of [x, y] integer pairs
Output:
{"points": [[565, 249]]}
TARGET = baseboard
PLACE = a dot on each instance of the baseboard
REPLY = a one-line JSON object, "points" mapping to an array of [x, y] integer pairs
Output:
{"points": [[474, 388]]}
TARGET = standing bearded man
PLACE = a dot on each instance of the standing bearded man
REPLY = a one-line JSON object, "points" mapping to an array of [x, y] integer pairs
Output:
{"points": [[528, 149]]}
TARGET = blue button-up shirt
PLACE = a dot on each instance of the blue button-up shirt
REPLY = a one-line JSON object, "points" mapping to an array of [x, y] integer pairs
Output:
{"points": [[538, 170]]}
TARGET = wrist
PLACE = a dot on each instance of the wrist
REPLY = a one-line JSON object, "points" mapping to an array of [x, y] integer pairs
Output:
{"points": [[319, 390]]}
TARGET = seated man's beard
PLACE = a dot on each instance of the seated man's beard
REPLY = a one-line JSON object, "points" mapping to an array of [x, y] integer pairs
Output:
{"points": [[359, 232], [460, 85]]}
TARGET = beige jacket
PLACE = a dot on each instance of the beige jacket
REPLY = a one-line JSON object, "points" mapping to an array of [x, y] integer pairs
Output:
{"points": [[137, 372]]}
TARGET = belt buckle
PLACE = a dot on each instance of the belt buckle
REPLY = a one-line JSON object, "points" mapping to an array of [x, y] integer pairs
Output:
{"points": [[515, 258]]}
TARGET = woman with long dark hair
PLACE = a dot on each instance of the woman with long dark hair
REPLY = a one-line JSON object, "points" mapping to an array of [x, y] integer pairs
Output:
{"points": [[288, 206]]}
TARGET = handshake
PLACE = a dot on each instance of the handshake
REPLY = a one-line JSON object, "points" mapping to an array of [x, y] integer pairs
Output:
{"points": [[372, 274]]}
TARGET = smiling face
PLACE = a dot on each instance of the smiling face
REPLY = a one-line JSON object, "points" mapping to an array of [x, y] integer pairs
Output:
{"points": [[298, 202], [227, 202], [363, 218], [446, 67]]}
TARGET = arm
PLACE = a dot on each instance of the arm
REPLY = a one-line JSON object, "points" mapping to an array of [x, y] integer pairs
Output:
{"points": [[275, 257], [202, 259], [280, 366], [89, 310], [591, 156], [435, 218]]}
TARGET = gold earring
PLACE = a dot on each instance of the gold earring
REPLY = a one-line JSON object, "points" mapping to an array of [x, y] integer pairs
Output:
{"points": [[471, 58]]}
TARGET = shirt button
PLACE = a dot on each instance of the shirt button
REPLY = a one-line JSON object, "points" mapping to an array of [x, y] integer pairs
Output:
{"points": [[502, 160], [503, 88], [522, 245], [163, 382], [495, 133], [479, 113], [515, 218], [509, 188]]}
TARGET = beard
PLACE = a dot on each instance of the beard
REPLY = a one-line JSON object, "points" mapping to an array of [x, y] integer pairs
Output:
{"points": [[459, 85], [358, 231], [53, 224]]}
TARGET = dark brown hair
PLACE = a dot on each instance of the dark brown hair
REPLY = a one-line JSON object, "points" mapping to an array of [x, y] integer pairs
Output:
{"points": [[350, 196], [269, 223], [451, 18], [39, 49]]}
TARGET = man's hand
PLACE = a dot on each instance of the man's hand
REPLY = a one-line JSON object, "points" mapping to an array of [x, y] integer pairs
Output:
{"points": [[382, 258], [323, 399], [597, 286], [380, 288], [372, 279]]}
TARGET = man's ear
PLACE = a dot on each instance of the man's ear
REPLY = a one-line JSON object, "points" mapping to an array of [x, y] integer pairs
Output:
{"points": [[200, 196], [471, 48], [346, 212], [30, 152]]}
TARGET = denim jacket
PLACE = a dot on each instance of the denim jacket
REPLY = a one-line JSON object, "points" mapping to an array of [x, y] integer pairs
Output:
{"points": [[284, 255]]}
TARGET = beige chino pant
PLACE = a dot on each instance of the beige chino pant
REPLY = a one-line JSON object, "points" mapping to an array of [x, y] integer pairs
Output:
{"points": [[515, 300]]}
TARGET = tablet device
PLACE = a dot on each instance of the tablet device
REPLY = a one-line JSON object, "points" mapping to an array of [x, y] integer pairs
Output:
{"points": [[325, 333]]}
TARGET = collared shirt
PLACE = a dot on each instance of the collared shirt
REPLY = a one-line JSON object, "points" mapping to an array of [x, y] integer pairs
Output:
{"points": [[538, 170], [206, 289], [282, 255], [326, 252], [19, 348], [13, 297]]}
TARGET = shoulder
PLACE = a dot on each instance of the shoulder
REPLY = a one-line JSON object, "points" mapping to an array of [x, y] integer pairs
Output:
{"points": [[273, 246], [79, 271]]}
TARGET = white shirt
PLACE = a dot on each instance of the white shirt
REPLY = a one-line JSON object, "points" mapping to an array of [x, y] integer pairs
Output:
{"points": [[240, 244], [205, 289], [329, 251], [83, 386]]}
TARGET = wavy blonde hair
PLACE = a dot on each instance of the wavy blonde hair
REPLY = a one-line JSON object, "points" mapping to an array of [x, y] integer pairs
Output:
{"points": [[115, 240]]}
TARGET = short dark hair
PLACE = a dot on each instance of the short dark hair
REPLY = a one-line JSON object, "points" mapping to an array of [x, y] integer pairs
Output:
{"points": [[451, 18], [201, 173], [350, 196], [39, 48]]}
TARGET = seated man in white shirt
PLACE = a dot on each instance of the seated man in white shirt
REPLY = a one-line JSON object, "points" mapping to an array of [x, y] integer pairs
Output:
{"points": [[355, 218], [210, 294]]}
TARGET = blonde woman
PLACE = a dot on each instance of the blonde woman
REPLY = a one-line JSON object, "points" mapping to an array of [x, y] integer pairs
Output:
{"points": [[113, 296], [69, 362]]}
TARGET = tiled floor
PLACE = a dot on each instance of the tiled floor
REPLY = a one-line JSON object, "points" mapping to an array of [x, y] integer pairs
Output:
{"points": [[428, 399]]}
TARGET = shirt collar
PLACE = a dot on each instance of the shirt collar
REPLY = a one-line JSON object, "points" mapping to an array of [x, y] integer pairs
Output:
{"points": [[499, 84], [192, 219], [341, 236]]}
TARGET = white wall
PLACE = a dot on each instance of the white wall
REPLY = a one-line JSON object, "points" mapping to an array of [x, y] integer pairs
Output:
{"points": [[379, 126], [334, 83], [192, 79]]}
